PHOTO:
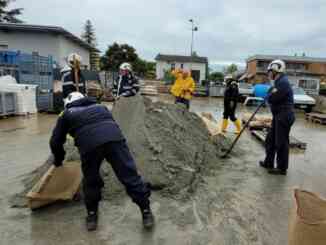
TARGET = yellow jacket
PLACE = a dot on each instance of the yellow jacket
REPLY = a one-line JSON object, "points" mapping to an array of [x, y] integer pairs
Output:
{"points": [[183, 88], [176, 88]]}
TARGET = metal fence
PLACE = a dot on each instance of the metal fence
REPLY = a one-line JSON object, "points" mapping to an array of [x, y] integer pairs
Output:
{"points": [[216, 90], [108, 77]]}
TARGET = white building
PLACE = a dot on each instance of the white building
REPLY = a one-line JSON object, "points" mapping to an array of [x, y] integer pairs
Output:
{"points": [[44, 40], [197, 65]]}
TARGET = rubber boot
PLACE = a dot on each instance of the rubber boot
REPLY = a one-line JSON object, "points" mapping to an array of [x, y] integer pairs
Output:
{"points": [[148, 218], [91, 221], [276, 171], [225, 125], [237, 124]]}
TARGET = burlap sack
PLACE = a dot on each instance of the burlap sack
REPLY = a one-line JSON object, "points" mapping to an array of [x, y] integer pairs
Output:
{"points": [[308, 220], [58, 184]]}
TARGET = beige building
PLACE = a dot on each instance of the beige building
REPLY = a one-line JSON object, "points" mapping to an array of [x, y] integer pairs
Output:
{"points": [[303, 71]]}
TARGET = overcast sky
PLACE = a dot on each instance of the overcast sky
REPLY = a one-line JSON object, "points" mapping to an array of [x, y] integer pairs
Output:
{"points": [[229, 31]]}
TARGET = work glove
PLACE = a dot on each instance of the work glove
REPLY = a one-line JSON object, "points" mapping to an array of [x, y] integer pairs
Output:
{"points": [[272, 90]]}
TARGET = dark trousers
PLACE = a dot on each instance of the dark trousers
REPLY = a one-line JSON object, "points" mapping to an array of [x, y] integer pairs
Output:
{"points": [[278, 139], [183, 101], [122, 162], [229, 110]]}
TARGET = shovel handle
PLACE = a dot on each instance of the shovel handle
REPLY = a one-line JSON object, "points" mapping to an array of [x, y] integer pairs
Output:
{"points": [[243, 129]]}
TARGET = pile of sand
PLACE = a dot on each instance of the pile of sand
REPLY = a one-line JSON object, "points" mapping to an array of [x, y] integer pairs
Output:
{"points": [[171, 146], [320, 104]]}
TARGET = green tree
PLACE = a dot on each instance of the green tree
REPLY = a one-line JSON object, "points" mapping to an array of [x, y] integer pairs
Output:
{"points": [[231, 69], [216, 76], [89, 35], [168, 77], [150, 70], [117, 54], [140, 67], [9, 15]]}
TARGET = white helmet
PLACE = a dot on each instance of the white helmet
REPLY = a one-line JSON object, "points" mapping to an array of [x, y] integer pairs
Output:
{"points": [[277, 66], [125, 66], [73, 97], [71, 58]]}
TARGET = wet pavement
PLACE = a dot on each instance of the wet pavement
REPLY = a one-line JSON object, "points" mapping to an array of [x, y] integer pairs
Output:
{"points": [[238, 203]]}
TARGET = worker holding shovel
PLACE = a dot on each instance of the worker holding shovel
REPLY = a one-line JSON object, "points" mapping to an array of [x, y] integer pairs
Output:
{"points": [[98, 137], [231, 95], [281, 101], [72, 79]]}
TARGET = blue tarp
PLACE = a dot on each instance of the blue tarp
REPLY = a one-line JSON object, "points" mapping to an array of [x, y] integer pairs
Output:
{"points": [[261, 90]]}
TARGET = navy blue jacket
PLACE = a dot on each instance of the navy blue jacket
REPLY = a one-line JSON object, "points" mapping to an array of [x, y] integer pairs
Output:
{"points": [[90, 124], [231, 92], [281, 95], [129, 86]]}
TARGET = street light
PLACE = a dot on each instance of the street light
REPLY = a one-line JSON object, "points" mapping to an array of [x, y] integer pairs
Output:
{"points": [[193, 29]]}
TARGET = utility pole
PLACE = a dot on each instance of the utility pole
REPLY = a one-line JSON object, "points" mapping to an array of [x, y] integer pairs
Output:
{"points": [[193, 29]]}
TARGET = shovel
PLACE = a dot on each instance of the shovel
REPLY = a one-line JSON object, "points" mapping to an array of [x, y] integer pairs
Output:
{"points": [[227, 152], [76, 70]]}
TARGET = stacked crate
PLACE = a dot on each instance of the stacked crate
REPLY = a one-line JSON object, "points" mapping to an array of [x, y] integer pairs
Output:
{"points": [[38, 70]]}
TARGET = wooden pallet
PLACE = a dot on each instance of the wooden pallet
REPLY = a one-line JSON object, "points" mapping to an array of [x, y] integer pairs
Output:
{"points": [[316, 118], [294, 142]]}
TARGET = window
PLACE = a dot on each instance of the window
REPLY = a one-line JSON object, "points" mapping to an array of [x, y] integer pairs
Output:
{"points": [[295, 66], [181, 66], [262, 64], [173, 66], [3, 46], [308, 84]]}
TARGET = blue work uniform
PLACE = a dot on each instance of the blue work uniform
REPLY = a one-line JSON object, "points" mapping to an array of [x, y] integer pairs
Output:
{"points": [[277, 142], [98, 137]]}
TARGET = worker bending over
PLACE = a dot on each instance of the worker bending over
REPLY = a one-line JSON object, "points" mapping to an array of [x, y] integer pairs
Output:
{"points": [[71, 74], [127, 84], [231, 95], [281, 101], [183, 87], [99, 137]]}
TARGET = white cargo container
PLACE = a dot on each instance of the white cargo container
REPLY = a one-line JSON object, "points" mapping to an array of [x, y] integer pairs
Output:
{"points": [[26, 97]]}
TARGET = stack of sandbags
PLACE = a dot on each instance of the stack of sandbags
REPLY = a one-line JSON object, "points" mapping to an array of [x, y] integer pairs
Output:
{"points": [[308, 220], [26, 94], [164, 89], [94, 89], [149, 90], [107, 95], [320, 104], [259, 121]]}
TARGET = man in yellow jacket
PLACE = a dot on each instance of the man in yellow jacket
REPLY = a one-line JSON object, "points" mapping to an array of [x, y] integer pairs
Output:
{"points": [[183, 87]]}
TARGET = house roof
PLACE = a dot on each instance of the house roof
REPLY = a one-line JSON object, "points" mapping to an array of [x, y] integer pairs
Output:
{"points": [[180, 58], [305, 59], [45, 29]]}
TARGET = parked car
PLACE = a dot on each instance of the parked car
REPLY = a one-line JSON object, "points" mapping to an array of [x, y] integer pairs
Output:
{"points": [[245, 90], [302, 100]]}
